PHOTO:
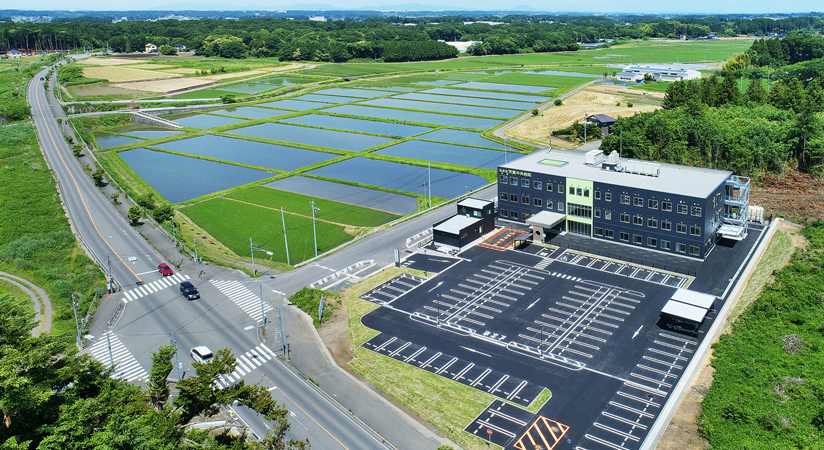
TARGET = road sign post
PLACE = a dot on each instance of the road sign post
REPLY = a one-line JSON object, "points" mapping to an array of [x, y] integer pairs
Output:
{"points": [[320, 310], [489, 438]]}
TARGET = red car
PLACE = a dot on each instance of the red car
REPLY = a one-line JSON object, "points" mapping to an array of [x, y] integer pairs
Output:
{"points": [[164, 269]]}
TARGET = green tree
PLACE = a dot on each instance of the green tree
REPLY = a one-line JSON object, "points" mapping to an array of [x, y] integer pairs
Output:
{"points": [[167, 50], [134, 215], [163, 213], [756, 92], [97, 176]]}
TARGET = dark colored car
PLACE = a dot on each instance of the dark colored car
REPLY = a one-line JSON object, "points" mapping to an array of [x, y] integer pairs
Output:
{"points": [[42, 79], [164, 269], [188, 290]]}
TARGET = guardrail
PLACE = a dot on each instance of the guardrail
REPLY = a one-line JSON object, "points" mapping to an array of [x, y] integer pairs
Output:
{"points": [[156, 120], [410, 241], [325, 279]]}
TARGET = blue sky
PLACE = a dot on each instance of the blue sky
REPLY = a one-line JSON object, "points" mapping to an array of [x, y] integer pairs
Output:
{"points": [[628, 6]]}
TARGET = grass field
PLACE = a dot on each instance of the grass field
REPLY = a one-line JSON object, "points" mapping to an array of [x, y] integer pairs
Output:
{"points": [[36, 242], [448, 405], [233, 223], [299, 204]]}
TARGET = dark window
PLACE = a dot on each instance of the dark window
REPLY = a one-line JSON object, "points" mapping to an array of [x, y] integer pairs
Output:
{"points": [[504, 179], [694, 250], [513, 181], [652, 204], [666, 206], [608, 196], [638, 201], [652, 223], [579, 210], [513, 215], [503, 213], [560, 188], [609, 234], [637, 239], [681, 228], [504, 196], [537, 184], [695, 231], [624, 218], [548, 204], [682, 209], [695, 211], [537, 202], [513, 198], [599, 231], [580, 191], [680, 248], [666, 225], [638, 220], [625, 199], [524, 199], [524, 182], [652, 242], [624, 236], [586, 192], [666, 245], [597, 213], [549, 186], [597, 195]]}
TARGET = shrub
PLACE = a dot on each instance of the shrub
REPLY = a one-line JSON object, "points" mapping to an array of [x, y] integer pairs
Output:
{"points": [[535, 112], [134, 215], [146, 201], [163, 213], [97, 176], [629, 105], [558, 102]]}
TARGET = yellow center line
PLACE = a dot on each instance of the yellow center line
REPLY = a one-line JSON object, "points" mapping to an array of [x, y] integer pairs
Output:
{"points": [[40, 108], [301, 409]]}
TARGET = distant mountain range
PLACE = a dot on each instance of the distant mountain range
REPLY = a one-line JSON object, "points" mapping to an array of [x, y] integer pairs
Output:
{"points": [[187, 6]]}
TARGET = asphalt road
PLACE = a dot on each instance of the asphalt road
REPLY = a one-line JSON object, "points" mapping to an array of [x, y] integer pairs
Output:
{"points": [[148, 320]]}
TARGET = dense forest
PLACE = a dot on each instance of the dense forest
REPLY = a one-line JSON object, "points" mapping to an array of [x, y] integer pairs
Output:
{"points": [[380, 38], [713, 122]]}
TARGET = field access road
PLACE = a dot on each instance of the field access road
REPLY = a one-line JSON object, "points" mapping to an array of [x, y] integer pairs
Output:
{"points": [[149, 318]]}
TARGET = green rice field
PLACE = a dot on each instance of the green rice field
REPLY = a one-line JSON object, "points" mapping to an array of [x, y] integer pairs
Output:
{"points": [[299, 204], [221, 218]]}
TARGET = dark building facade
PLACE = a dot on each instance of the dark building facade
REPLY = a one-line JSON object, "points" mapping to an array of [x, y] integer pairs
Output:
{"points": [[669, 208], [475, 218]]}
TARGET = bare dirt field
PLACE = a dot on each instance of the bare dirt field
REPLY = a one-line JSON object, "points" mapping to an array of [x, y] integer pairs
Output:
{"points": [[796, 195], [92, 90], [120, 74], [595, 99], [107, 61], [163, 86]]}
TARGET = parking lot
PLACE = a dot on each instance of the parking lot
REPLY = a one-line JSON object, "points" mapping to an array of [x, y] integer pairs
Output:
{"points": [[583, 326]]}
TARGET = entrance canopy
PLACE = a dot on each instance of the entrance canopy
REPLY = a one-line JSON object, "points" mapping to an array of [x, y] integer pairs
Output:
{"points": [[684, 311], [694, 298], [546, 219]]}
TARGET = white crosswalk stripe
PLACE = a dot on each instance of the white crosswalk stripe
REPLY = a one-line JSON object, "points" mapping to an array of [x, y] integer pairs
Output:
{"points": [[243, 297], [246, 363], [126, 366], [153, 287]]}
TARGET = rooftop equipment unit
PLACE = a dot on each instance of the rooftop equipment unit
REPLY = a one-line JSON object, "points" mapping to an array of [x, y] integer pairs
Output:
{"points": [[593, 157]]}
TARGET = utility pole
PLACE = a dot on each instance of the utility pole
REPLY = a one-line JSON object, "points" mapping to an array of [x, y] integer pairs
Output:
{"points": [[109, 273], [429, 182], [262, 312], [174, 233], [314, 229], [550, 137], [197, 261], [585, 126], [621, 143], [177, 364], [252, 251], [109, 342], [285, 240], [74, 307]]}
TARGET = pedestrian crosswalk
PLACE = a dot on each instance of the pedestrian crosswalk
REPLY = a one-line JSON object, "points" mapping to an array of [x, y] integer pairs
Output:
{"points": [[126, 366], [245, 364], [544, 262], [150, 288], [238, 293]]}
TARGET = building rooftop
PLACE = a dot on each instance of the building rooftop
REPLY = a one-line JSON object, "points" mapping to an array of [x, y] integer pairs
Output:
{"points": [[455, 224], [474, 203], [681, 180], [603, 118], [655, 69]]}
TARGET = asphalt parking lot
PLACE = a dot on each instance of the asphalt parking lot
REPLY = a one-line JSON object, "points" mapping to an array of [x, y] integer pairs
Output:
{"points": [[582, 325]]}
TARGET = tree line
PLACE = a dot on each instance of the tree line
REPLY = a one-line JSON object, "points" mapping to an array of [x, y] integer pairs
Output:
{"points": [[713, 122], [377, 38]]}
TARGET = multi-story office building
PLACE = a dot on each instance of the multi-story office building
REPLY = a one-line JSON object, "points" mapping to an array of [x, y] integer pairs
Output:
{"points": [[670, 208]]}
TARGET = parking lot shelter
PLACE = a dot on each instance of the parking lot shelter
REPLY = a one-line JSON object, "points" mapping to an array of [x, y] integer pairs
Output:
{"points": [[475, 217]]}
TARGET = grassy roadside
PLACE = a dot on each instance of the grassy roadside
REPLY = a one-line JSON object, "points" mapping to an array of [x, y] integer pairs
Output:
{"points": [[448, 405], [36, 242]]}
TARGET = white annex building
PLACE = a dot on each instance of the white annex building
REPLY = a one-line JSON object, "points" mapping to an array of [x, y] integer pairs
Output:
{"points": [[635, 74]]}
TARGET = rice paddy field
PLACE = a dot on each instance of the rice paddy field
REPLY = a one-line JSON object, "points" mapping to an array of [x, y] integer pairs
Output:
{"points": [[365, 150]]}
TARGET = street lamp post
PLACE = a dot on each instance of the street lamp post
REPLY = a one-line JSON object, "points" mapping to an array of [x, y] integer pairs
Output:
{"points": [[285, 240], [585, 127], [197, 261], [314, 229], [252, 251]]}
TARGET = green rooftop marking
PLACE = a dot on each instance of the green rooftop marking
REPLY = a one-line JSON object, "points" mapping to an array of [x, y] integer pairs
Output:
{"points": [[553, 162]]}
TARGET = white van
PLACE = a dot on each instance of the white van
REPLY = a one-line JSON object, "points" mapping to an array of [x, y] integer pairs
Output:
{"points": [[201, 354]]}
